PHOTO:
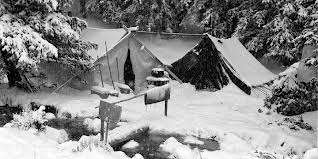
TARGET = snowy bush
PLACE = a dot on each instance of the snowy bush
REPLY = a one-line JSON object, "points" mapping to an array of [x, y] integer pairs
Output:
{"points": [[287, 79], [84, 143], [32, 119], [294, 100]]}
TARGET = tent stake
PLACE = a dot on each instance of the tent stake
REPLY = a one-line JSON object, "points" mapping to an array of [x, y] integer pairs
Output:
{"points": [[107, 127], [102, 130], [110, 72]]}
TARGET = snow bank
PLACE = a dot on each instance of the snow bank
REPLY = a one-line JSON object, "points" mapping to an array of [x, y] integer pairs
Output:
{"points": [[49, 116], [192, 140], [93, 124], [25, 144], [178, 150], [131, 145], [138, 156], [59, 136], [122, 132], [311, 154], [74, 102]]}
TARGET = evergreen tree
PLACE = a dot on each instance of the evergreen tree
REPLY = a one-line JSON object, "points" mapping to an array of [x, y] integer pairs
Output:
{"points": [[35, 30], [272, 28]]}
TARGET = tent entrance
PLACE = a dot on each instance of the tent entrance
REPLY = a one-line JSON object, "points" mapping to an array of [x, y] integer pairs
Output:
{"points": [[129, 75]]}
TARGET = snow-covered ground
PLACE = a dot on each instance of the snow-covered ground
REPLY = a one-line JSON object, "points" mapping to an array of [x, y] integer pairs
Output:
{"points": [[229, 115]]}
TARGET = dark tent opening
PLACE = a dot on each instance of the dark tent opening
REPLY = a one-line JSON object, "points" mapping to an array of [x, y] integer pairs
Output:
{"points": [[129, 75]]}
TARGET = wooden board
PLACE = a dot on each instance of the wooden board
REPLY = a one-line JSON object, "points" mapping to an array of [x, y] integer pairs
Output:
{"points": [[112, 111]]}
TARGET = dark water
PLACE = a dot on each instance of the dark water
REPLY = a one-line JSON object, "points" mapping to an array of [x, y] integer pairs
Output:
{"points": [[149, 145]]}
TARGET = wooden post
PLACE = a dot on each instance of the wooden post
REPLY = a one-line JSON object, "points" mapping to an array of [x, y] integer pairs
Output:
{"points": [[102, 129], [166, 107], [110, 72], [117, 70], [107, 127], [106, 46], [101, 76]]}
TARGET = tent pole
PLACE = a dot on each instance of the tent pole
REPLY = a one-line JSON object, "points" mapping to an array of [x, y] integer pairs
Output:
{"points": [[172, 74], [117, 70], [110, 72], [101, 76]]}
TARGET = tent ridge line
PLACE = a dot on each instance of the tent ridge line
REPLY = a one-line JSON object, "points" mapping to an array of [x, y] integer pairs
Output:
{"points": [[165, 33]]}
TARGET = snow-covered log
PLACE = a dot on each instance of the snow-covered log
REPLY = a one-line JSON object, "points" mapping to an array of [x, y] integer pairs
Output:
{"points": [[100, 91], [126, 133]]}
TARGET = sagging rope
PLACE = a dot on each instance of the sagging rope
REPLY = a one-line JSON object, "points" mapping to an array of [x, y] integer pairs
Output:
{"points": [[58, 88]]}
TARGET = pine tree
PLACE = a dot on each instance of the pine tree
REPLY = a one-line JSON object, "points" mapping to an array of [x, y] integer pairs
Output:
{"points": [[36, 30]]}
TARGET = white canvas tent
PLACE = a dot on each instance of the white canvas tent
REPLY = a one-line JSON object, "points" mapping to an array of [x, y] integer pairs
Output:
{"points": [[142, 60], [214, 62]]}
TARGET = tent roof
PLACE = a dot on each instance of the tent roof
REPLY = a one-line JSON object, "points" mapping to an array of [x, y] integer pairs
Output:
{"points": [[100, 36], [243, 62], [167, 47]]}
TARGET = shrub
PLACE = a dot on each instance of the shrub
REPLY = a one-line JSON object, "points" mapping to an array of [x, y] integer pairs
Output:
{"points": [[74, 127], [31, 119], [294, 100]]}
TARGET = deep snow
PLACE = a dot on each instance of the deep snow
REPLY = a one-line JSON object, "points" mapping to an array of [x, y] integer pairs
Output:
{"points": [[229, 116]]}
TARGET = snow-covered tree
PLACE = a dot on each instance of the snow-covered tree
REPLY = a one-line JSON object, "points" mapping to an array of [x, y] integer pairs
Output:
{"points": [[152, 15], [271, 28], [36, 30]]}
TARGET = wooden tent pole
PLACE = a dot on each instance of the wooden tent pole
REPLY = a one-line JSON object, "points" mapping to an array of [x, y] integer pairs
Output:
{"points": [[172, 74], [101, 76], [110, 72], [117, 70]]}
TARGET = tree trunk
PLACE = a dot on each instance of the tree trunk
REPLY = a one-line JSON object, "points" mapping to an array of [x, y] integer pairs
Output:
{"points": [[12, 72]]}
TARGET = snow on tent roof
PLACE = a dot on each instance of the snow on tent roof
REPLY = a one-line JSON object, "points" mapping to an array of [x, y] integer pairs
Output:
{"points": [[100, 36], [167, 47], [243, 62]]}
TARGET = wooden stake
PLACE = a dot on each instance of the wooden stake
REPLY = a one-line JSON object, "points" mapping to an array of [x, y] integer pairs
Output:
{"points": [[166, 107], [102, 129], [106, 46], [110, 72], [117, 70], [107, 127], [101, 76]]}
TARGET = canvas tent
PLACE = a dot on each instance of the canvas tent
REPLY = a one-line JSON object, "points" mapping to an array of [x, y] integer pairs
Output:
{"points": [[141, 59], [214, 62]]}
